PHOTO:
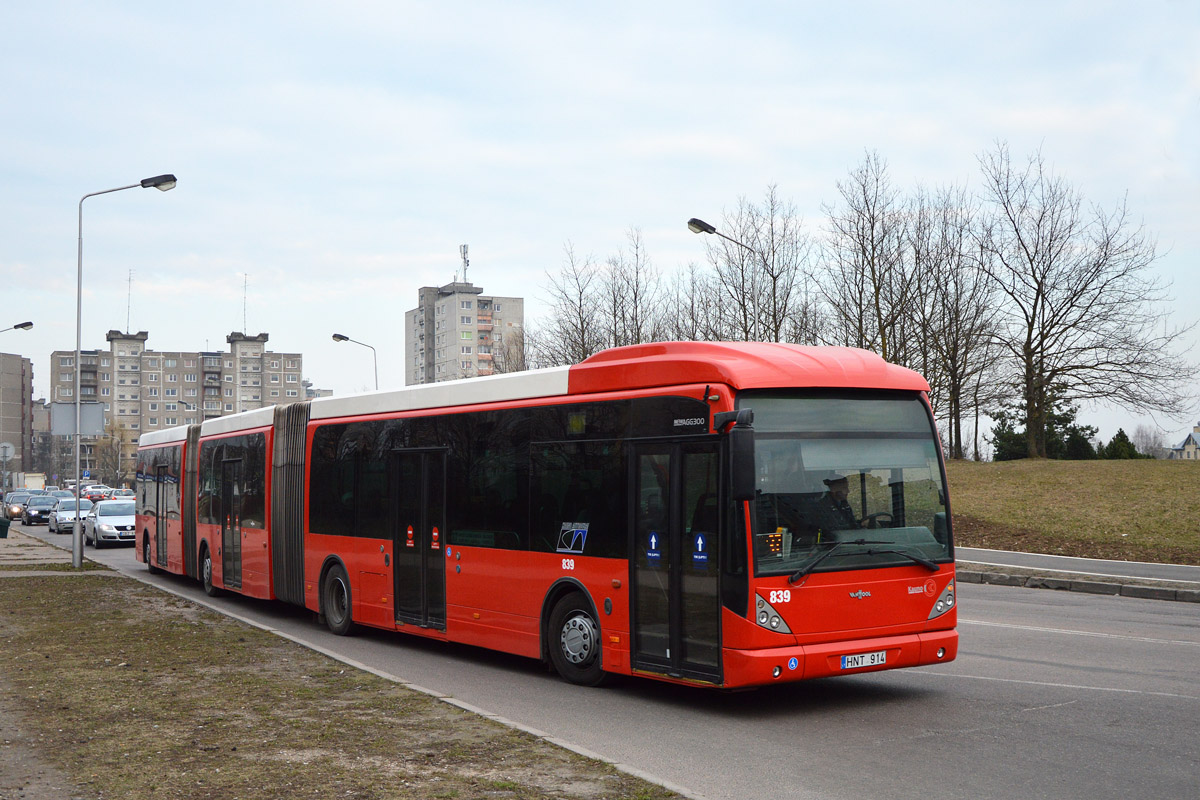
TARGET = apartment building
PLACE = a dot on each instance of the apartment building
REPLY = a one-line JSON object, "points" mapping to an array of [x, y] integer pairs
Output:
{"points": [[145, 390], [16, 417], [456, 331]]}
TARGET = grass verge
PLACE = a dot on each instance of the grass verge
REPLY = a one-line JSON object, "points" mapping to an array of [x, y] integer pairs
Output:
{"points": [[1130, 510], [134, 693]]}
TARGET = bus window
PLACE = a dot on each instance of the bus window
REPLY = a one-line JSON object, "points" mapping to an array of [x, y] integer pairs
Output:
{"points": [[830, 468], [578, 486]]}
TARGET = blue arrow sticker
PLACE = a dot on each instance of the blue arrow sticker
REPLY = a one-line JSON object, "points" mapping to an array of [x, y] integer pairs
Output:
{"points": [[700, 551], [653, 554]]}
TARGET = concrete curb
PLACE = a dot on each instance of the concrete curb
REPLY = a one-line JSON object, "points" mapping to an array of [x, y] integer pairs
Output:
{"points": [[969, 572]]}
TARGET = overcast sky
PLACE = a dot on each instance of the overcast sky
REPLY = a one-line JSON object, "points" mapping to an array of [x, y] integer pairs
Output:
{"points": [[332, 157]]}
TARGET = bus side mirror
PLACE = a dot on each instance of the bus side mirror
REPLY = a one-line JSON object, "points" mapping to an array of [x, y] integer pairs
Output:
{"points": [[741, 455]]}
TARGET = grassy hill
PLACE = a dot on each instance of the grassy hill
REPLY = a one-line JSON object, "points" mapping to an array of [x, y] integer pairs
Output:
{"points": [[1133, 510]]}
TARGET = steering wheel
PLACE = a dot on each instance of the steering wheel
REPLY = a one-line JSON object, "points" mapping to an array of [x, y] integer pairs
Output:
{"points": [[873, 520]]}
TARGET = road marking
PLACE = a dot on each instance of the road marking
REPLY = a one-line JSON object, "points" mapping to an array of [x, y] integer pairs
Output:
{"points": [[1052, 705], [1052, 685], [1094, 634]]}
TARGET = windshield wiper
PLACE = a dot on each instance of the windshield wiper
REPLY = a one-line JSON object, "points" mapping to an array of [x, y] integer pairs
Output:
{"points": [[800, 573], [924, 562]]}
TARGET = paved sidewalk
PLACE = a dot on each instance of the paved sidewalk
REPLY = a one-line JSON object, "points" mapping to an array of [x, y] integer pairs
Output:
{"points": [[1095, 576], [22, 554]]}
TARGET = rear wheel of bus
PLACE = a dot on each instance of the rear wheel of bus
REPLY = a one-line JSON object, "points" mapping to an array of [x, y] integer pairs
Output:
{"points": [[335, 601]]}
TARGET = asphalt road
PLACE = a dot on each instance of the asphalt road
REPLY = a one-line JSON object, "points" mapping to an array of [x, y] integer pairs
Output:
{"points": [[1054, 694]]}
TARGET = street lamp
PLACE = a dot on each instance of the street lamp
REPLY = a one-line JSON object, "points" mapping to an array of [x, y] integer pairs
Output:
{"points": [[20, 326], [163, 183], [700, 226], [337, 337]]}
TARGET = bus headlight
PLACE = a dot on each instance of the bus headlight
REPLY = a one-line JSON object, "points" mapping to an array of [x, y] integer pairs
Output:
{"points": [[767, 617], [944, 603]]}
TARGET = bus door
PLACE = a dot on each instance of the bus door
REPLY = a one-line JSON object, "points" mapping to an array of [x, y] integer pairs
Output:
{"points": [[160, 514], [231, 523], [674, 568], [420, 539]]}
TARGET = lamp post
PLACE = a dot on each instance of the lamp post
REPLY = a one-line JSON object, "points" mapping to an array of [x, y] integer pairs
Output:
{"points": [[337, 337], [700, 226], [163, 183], [20, 326]]}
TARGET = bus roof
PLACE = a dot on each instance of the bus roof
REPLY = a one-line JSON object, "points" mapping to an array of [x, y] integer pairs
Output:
{"points": [[165, 436], [740, 365]]}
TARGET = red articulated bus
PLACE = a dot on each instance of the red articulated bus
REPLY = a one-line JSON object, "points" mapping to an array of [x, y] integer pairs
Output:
{"points": [[718, 514]]}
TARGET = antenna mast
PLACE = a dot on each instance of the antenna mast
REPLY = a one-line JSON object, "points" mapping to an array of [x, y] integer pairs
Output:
{"points": [[462, 251], [128, 300], [245, 283]]}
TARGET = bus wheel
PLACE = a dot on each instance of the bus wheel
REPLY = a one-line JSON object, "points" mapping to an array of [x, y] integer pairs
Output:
{"points": [[335, 601], [206, 573], [146, 556], [575, 642]]}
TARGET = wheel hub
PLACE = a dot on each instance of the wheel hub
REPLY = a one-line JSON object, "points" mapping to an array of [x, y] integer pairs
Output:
{"points": [[578, 639]]}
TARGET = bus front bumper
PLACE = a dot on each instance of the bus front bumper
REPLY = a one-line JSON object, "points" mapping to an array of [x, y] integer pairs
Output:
{"points": [[802, 662]]}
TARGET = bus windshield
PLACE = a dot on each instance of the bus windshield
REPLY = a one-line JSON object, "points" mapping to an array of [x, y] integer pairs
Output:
{"points": [[846, 481]]}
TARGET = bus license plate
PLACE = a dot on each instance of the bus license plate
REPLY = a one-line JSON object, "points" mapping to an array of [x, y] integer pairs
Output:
{"points": [[864, 660]]}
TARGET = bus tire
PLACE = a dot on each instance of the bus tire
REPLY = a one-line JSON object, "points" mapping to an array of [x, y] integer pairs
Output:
{"points": [[574, 641], [206, 572], [336, 601], [146, 555]]}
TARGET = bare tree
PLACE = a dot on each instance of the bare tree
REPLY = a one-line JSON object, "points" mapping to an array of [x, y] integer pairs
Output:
{"points": [[508, 351], [112, 453], [1082, 311], [762, 274], [867, 281], [955, 304], [691, 312], [573, 330], [1148, 441], [633, 296]]}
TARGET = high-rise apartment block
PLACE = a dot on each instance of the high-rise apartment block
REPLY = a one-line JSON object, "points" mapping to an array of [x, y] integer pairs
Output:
{"points": [[145, 390], [456, 331], [16, 417]]}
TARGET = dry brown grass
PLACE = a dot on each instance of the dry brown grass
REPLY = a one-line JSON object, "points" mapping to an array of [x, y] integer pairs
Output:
{"points": [[1133, 510], [137, 694]]}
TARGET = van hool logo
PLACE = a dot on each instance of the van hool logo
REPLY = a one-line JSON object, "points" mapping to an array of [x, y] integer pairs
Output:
{"points": [[860, 594], [679, 423]]}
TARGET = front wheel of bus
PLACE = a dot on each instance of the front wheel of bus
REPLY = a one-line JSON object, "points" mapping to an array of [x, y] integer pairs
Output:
{"points": [[335, 601], [575, 642]]}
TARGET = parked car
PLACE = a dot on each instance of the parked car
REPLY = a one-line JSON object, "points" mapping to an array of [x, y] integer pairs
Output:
{"points": [[37, 509], [14, 503], [109, 521], [63, 515]]}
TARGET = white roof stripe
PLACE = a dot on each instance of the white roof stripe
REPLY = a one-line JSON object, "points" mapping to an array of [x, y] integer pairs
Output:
{"points": [[550, 382], [165, 436], [239, 422]]}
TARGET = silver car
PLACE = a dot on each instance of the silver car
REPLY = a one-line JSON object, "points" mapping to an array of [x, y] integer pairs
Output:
{"points": [[109, 521], [63, 515]]}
